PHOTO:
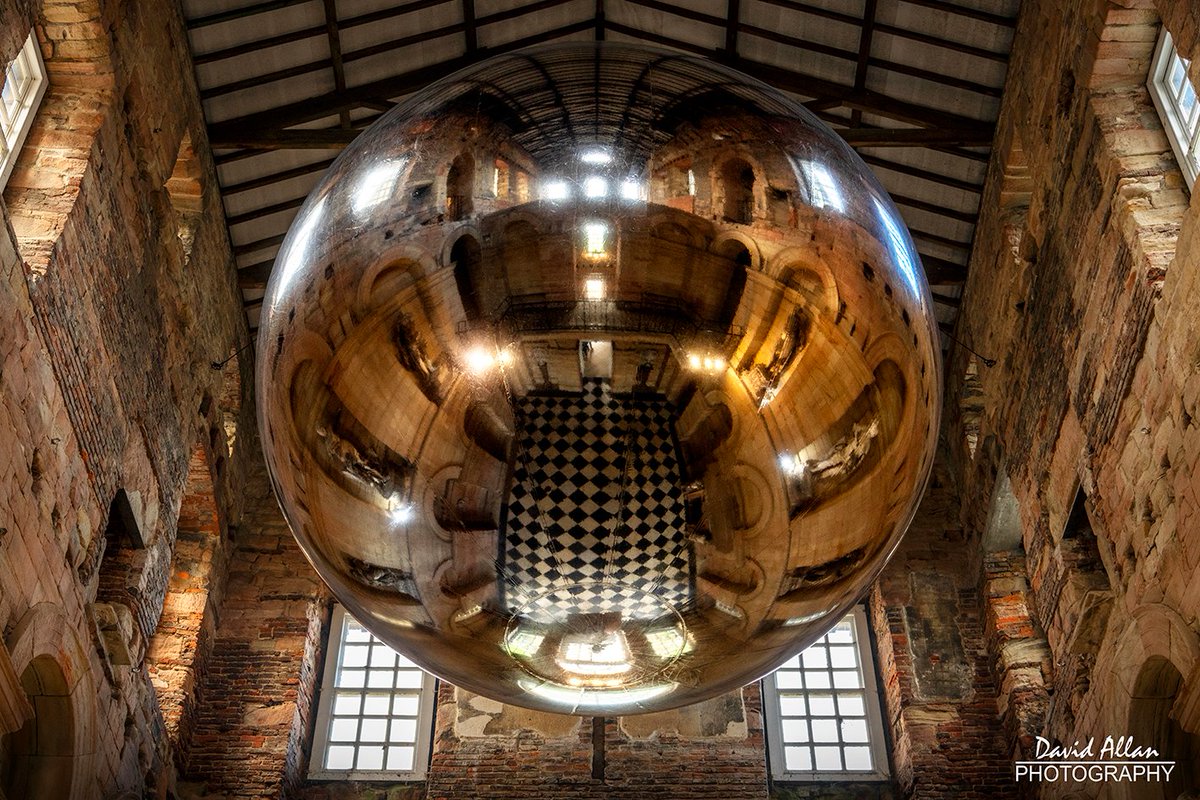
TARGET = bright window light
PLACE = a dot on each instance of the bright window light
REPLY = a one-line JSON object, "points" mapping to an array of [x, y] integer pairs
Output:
{"points": [[668, 643], [632, 189], [595, 235], [822, 710], [691, 179], [823, 190], [24, 85], [900, 245], [523, 643], [596, 157], [595, 186], [376, 185], [588, 655], [375, 714], [593, 288], [555, 190], [1175, 99]]}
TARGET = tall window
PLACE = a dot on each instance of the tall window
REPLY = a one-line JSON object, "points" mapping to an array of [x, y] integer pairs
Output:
{"points": [[375, 717], [24, 85], [1175, 98], [822, 710]]}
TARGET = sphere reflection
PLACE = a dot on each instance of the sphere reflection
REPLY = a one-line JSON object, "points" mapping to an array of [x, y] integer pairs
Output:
{"points": [[598, 379]]}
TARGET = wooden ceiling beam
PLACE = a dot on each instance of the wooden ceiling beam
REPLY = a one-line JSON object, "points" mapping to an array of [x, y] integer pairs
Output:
{"points": [[321, 139], [258, 244], [816, 11], [933, 238], [963, 11], [917, 137], [265, 211], [334, 39], [276, 177], [969, 217], [937, 41], [255, 276], [270, 120], [864, 57], [470, 33], [241, 13], [923, 174], [314, 31], [733, 13], [940, 271]]}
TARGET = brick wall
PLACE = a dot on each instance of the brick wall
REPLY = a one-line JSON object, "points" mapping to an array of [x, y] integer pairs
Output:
{"points": [[93, 398]]}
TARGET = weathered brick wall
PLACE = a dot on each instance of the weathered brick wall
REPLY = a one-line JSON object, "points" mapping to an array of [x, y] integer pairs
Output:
{"points": [[252, 728], [1083, 284], [939, 691], [103, 376]]}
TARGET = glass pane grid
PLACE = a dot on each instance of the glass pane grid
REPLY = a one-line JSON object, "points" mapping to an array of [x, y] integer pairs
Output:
{"points": [[374, 722], [822, 706], [1176, 99]]}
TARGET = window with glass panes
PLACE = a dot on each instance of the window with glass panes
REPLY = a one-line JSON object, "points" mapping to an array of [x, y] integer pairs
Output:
{"points": [[376, 709], [1175, 99], [822, 710], [24, 85]]}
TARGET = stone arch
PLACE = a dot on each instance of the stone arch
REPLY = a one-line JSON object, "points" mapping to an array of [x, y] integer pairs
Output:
{"points": [[1141, 688], [32, 758], [460, 187], [1152, 723], [389, 276], [52, 164], [186, 627], [739, 184], [46, 642]]}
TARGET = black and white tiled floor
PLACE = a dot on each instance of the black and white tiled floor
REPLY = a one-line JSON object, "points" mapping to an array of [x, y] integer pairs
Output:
{"points": [[595, 507]]}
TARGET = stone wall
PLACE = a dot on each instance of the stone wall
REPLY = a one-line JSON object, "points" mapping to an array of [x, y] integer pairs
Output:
{"points": [[111, 319], [1082, 285]]}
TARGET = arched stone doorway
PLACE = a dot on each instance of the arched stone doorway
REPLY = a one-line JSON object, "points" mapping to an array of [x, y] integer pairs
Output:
{"points": [[38, 759], [1152, 724]]}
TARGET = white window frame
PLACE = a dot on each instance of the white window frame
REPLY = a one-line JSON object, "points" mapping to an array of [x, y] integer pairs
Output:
{"points": [[338, 628], [17, 113], [1182, 128], [874, 718]]}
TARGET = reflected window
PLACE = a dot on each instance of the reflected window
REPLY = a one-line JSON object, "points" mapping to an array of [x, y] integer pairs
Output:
{"points": [[375, 717], [897, 241], [24, 85], [595, 239], [595, 187], [823, 191], [1175, 98], [593, 289], [737, 178], [822, 710]]}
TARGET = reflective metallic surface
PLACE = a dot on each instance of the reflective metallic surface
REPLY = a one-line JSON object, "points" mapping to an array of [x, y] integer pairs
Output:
{"points": [[598, 379]]}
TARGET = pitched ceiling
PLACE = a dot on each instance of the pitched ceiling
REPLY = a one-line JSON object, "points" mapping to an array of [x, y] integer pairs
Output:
{"points": [[913, 85]]}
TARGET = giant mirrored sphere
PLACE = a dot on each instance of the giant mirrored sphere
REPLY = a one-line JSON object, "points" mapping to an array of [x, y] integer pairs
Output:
{"points": [[598, 379]]}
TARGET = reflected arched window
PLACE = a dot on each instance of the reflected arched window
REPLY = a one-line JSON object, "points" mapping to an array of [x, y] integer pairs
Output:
{"points": [[737, 180], [460, 182]]}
